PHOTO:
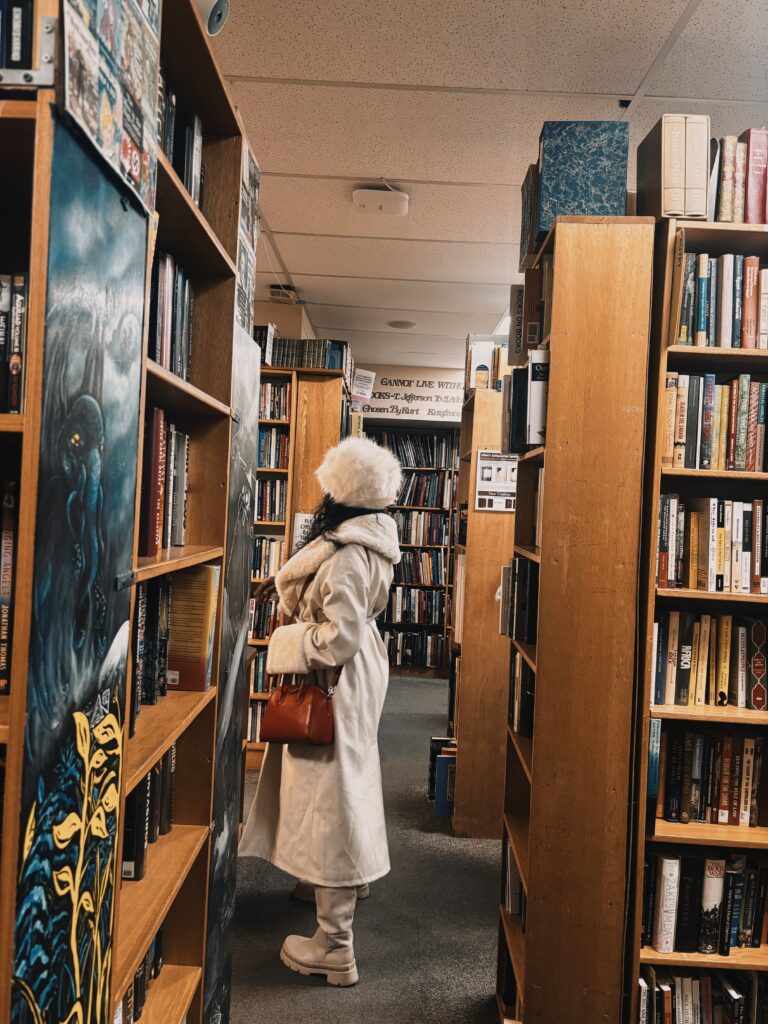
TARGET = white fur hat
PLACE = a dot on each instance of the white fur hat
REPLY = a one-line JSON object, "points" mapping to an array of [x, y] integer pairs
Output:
{"points": [[361, 474]]}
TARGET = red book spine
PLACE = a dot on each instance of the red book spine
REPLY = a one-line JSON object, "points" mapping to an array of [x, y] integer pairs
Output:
{"points": [[153, 484], [750, 305], [757, 545], [757, 169], [754, 400], [733, 419]]}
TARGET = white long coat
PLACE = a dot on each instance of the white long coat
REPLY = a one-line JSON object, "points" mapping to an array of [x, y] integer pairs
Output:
{"points": [[319, 811]]}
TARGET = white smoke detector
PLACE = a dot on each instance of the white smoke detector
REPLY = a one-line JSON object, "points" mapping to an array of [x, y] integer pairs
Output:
{"points": [[380, 199]]}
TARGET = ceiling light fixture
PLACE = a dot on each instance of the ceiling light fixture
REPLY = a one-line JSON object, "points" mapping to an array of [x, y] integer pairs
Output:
{"points": [[401, 325], [380, 199]]}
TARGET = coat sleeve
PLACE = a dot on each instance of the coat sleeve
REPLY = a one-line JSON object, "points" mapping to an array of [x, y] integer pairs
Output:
{"points": [[343, 586]]}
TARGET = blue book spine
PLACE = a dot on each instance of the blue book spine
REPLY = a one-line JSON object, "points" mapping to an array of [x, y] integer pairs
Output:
{"points": [[701, 336], [445, 771], [654, 745], [738, 894], [689, 290], [738, 295], [712, 304]]}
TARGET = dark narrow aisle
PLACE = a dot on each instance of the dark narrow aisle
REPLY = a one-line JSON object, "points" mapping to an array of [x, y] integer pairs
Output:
{"points": [[426, 939]]}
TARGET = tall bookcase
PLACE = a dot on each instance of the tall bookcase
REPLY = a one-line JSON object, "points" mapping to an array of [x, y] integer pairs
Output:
{"points": [[113, 922], [313, 425], [567, 804], [480, 697], [443, 513], [654, 835]]}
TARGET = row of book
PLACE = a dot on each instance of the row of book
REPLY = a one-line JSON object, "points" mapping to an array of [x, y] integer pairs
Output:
{"points": [[524, 404], [709, 660], [131, 1008], [485, 362], [275, 400], [258, 680], [690, 903], [426, 489], [13, 340], [171, 308], [705, 776], [718, 302], [175, 619], [8, 528], [522, 696], [714, 426], [519, 607], [700, 997], [180, 135], [271, 500], [426, 568], [441, 775], [673, 168], [421, 649], [267, 556], [165, 484], [421, 527], [308, 353], [253, 725], [262, 618], [148, 814], [407, 605], [712, 544], [742, 195], [436, 450], [274, 448]]}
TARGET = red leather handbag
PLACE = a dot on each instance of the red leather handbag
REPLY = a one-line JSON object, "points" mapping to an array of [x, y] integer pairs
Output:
{"points": [[299, 709]]}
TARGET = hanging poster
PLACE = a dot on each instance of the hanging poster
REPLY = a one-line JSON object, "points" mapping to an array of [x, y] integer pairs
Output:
{"points": [[416, 392], [80, 621], [496, 481], [246, 360], [246, 240], [111, 61], [362, 384]]}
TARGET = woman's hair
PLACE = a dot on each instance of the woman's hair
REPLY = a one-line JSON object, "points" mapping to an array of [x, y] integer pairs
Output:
{"points": [[330, 514]]}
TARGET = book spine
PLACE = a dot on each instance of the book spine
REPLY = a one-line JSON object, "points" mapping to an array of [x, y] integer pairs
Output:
{"points": [[733, 419], [6, 291], [7, 557], [670, 405], [711, 905], [727, 172], [696, 165], [742, 420], [750, 302], [712, 294], [737, 768], [707, 428], [685, 333], [726, 913], [756, 546], [673, 146], [666, 904], [701, 336], [725, 302], [680, 421], [16, 344], [756, 140], [753, 404], [738, 300], [762, 310], [724, 801], [739, 183], [757, 694], [747, 774]]}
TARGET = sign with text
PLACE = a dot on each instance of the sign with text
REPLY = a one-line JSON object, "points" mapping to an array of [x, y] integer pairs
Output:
{"points": [[362, 385], [416, 392], [496, 483]]}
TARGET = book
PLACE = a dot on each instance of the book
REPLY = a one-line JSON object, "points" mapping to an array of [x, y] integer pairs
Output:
{"points": [[689, 906], [711, 903], [696, 165], [190, 647], [6, 291], [701, 336], [724, 331], [153, 483], [727, 173], [756, 142], [738, 300], [666, 904], [17, 343], [538, 386], [661, 168], [750, 302], [739, 183], [8, 519], [136, 830]]}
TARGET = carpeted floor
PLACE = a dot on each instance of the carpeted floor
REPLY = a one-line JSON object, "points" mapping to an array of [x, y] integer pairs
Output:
{"points": [[425, 941]]}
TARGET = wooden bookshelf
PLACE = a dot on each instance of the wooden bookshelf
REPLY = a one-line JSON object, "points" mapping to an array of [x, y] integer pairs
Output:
{"points": [[376, 429], [174, 891], [565, 797], [715, 239], [313, 426], [481, 674]]}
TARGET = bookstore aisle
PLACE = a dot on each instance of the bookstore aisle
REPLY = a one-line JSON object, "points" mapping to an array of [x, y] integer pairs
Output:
{"points": [[425, 939]]}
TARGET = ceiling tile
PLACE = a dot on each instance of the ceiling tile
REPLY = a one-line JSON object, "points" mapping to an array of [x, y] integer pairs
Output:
{"points": [[589, 46], [491, 299], [426, 261], [391, 133], [472, 213], [405, 349], [720, 55], [458, 325]]}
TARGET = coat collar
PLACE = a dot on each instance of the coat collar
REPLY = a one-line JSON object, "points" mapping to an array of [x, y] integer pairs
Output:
{"points": [[376, 532]]}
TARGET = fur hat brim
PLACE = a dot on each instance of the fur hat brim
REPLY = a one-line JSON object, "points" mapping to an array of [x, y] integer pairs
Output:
{"points": [[361, 474]]}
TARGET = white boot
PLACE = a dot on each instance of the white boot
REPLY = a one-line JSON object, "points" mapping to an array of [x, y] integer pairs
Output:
{"points": [[329, 951], [304, 892]]}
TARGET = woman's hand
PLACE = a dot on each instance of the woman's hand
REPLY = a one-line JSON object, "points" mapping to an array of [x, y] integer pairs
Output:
{"points": [[265, 591]]}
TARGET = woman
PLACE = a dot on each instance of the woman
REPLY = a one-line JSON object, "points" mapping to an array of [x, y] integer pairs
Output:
{"points": [[319, 811]]}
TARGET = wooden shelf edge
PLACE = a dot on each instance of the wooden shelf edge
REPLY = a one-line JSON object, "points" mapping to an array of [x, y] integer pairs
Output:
{"points": [[534, 554], [517, 831], [169, 996], [144, 904], [709, 713], [12, 423], [684, 594], [698, 833], [715, 474], [532, 456], [515, 938], [192, 210], [704, 351], [158, 726], [173, 559], [251, 745], [189, 397], [528, 652], [524, 748], [739, 959]]}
